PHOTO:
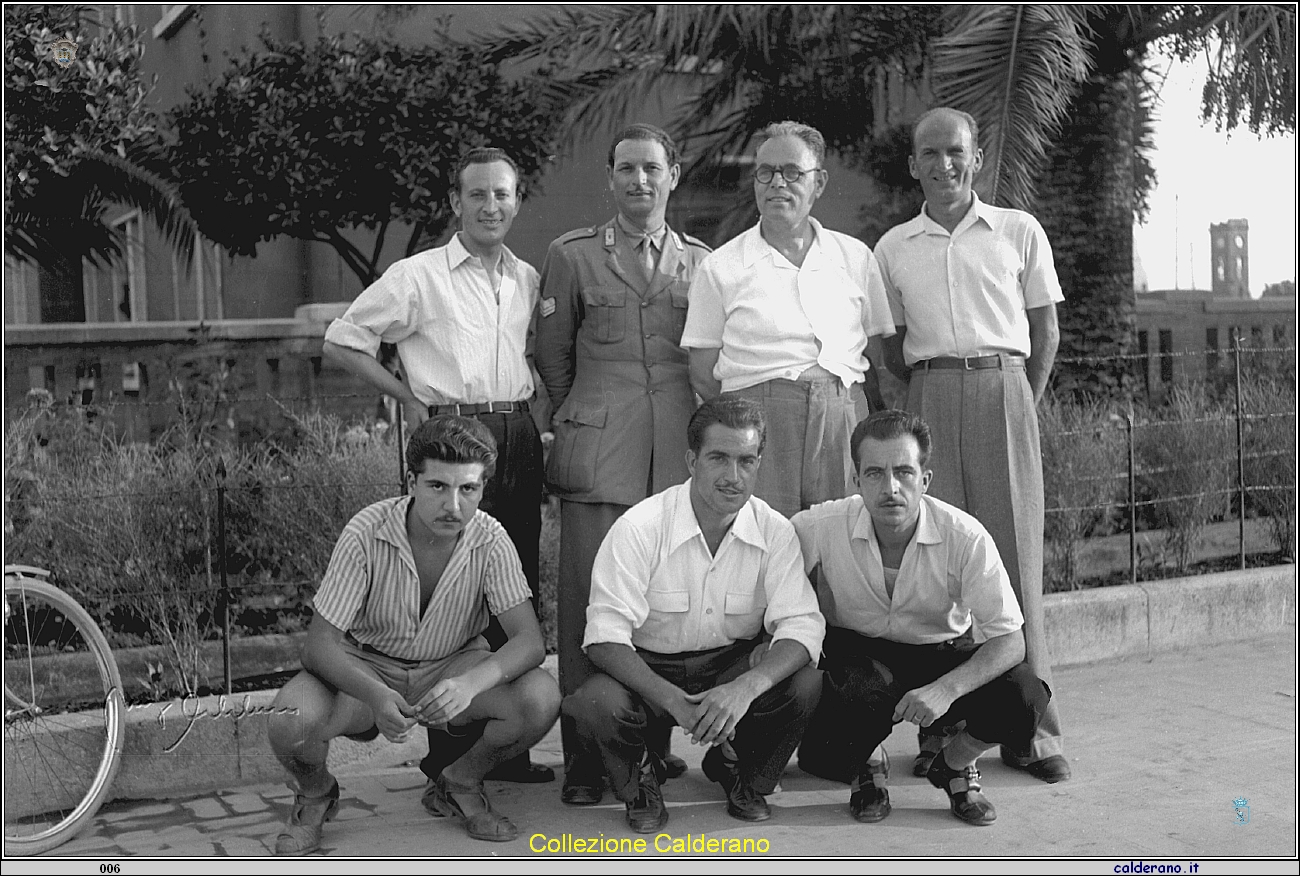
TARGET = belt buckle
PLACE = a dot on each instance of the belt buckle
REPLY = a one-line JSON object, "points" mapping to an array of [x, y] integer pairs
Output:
{"points": [[965, 363]]}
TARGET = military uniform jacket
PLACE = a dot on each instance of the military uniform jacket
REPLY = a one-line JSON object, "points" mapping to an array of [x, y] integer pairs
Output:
{"points": [[607, 348]]}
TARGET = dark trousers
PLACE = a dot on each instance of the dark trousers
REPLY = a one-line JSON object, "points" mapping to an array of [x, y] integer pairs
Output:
{"points": [[865, 678], [620, 723], [513, 496]]}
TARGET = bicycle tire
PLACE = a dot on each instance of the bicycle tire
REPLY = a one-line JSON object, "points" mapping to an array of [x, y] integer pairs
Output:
{"points": [[63, 740]]}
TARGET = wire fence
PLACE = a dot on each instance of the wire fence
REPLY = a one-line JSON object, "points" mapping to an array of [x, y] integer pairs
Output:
{"points": [[178, 542]]}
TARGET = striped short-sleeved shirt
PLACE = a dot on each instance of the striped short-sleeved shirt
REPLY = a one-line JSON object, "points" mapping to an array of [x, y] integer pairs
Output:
{"points": [[372, 591]]}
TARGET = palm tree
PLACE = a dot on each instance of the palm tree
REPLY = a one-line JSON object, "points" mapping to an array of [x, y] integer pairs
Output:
{"points": [[81, 144], [1057, 90]]}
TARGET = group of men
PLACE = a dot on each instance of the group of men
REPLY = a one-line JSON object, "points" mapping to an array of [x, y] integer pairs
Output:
{"points": [[711, 465]]}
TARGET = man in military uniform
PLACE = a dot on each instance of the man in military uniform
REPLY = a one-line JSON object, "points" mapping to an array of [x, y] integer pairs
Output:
{"points": [[612, 309]]}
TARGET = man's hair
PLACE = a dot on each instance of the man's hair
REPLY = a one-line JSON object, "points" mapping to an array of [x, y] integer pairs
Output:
{"points": [[731, 412], [887, 425], [807, 133], [449, 438], [485, 155], [966, 117], [642, 131]]}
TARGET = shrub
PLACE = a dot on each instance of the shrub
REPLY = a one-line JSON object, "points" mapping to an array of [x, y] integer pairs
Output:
{"points": [[1186, 461], [1269, 412], [1084, 464]]}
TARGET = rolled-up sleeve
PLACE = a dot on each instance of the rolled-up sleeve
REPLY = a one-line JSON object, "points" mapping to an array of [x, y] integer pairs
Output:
{"points": [[387, 311], [792, 611], [879, 319], [620, 577], [986, 589]]}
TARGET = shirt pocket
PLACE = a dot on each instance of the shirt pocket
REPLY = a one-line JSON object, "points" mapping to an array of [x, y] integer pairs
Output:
{"points": [[578, 429], [743, 612], [665, 623], [606, 313], [678, 292]]}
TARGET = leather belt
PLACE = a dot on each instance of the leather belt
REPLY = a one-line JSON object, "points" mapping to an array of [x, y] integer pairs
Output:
{"points": [[970, 363], [481, 408]]}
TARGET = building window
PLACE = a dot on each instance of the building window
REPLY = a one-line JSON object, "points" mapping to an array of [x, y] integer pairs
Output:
{"points": [[22, 306], [127, 275], [1166, 356], [1211, 349], [1237, 276], [173, 16], [1218, 267], [1144, 350]]}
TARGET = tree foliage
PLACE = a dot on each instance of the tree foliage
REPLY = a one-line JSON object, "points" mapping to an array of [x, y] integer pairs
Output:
{"points": [[318, 140], [79, 138]]}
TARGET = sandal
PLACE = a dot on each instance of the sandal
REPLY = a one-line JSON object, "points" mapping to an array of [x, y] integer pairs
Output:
{"points": [[487, 825], [301, 835]]}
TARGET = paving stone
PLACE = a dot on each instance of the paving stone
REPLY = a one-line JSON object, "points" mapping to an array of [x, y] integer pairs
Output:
{"points": [[355, 812], [137, 810], [205, 807], [213, 826], [245, 802], [242, 847]]}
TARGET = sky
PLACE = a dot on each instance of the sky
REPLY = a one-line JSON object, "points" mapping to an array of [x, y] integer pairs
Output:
{"points": [[1206, 177]]}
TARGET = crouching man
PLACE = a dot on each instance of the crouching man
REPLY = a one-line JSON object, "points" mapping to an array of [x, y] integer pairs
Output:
{"points": [[902, 578], [396, 641], [683, 589]]}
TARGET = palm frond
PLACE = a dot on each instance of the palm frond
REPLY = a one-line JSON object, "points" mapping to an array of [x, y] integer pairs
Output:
{"points": [[115, 178], [1015, 69]]}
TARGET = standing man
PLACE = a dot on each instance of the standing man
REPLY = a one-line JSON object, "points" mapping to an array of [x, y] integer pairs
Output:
{"points": [[613, 303], [701, 616], [459, 316], [903, 578], [782, 315], [973, 293]]}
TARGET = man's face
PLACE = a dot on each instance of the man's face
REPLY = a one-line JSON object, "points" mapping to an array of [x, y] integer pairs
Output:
{"points": [[724, 471], [446, 495], [779, 201], [486, 203], [944, 160], [641, 180], [891, 481]]}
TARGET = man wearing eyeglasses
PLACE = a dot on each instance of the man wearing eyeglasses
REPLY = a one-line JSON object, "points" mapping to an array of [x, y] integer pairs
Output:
{"points": [[782, 315]]}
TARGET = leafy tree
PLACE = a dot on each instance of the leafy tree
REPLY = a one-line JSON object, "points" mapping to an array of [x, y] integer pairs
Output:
{"points": [[1285, 289], [318, 140], [1063, 105], [78, 140]]}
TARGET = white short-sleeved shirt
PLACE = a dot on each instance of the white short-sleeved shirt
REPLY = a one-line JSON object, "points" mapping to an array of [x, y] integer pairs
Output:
{"points": [[372, 591], [655, 586], [966, 293], [459, 341], [773, 320], [951, 574]]}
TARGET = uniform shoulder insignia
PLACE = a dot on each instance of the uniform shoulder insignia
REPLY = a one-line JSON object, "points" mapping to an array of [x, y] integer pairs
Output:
{"points": [[695, 241], [578, 234]]}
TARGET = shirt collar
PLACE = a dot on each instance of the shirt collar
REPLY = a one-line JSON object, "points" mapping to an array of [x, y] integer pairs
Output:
{"points": [[635, 235], [754, 247], [457, 254], [978, 212], [392, 528], [685, 527], [926, 530]]}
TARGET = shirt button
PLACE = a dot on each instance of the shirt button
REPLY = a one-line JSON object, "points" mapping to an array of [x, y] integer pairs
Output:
{"points": [[708, 611], [649, 336], [645, 303]]}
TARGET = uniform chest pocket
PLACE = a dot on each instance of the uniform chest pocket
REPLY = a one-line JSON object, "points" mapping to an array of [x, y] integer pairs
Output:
{"points": [[606, 313], [678, 292]]}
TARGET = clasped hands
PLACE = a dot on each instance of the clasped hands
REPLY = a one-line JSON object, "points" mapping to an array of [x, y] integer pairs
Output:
{"points": [[710, 717], [447, 699]]}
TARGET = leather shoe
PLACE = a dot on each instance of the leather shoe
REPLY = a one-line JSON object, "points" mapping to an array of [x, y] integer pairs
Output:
{"points": [[1050, 769], [743, 801], [487, 825], [521, 771], [869, 801], [581, 792], [647, 813], [963, 789], [301, 835]]}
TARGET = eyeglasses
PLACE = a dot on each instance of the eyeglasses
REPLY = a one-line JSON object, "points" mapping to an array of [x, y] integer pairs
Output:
{"points": [[791, 173]]}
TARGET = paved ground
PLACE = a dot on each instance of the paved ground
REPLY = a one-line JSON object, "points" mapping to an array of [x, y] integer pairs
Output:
{"points": [[1159, 749]]}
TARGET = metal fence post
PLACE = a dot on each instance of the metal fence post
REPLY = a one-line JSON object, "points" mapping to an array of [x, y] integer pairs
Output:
{"points": [[221, 570], [1132, 501], [1241, 459]]}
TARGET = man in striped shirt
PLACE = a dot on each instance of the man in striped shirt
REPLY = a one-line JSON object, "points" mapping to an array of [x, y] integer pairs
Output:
{"points": [[397, 641]]}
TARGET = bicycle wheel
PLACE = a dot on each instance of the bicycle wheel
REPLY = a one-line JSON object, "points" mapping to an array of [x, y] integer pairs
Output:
{"points": [[65, 719]]}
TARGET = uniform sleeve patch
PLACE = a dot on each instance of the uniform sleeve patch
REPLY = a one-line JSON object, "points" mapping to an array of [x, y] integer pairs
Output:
{"points": [[548, 306]]}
